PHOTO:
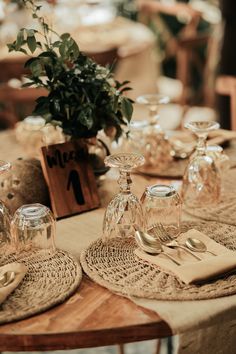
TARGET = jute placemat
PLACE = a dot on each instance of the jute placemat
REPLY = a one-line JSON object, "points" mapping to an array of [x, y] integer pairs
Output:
{"points": [[115, 267], [225, 210], [48, 282]]}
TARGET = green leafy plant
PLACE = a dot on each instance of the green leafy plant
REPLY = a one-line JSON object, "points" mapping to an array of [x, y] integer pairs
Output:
{"points": [[83, 98]]}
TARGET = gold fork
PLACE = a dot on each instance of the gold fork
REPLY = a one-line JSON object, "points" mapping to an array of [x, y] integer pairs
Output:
{"points": [[160, 232]]}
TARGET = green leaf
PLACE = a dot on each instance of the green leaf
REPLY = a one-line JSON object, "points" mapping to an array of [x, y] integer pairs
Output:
{"points": [[62, 49], [36, 68], [11, 47], [56, 104], [23, 51], [86, 118], [48, 54], [56, 44], [28, 84], [30, 32], [32, 44], [30, 61], [65, 36], [19, 40], [49, 72], [126, 108]]}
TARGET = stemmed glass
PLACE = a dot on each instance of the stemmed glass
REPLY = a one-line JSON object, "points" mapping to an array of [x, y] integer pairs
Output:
{"points": [[157, 149], [4, 216], [202, 179], [124, 212]]}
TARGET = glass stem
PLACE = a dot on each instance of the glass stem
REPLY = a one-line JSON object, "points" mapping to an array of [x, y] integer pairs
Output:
{"points": [[153, 113], [124, 182], [201, 144]]}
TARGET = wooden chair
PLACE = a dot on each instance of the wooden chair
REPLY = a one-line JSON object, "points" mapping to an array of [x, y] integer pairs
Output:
{"points": [[183, 47], [226, 85], [15, 99]]}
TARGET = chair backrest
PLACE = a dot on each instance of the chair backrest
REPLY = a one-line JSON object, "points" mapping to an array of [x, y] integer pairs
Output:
{"points": [[15, 101], [226, 85], [187, 48]]}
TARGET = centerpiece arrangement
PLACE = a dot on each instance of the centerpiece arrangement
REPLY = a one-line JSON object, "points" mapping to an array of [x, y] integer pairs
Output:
{"points": [[83, 97]]}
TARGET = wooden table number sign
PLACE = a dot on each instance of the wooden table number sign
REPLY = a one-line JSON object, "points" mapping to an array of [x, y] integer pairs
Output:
{"points": [[70, 178]]}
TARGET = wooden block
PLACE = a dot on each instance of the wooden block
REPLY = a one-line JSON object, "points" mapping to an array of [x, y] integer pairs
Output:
{"points": [[70, 178]]}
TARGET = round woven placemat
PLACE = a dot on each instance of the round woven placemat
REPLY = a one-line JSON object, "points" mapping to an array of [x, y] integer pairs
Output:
{"points": [[115, 267], [48, 282]]}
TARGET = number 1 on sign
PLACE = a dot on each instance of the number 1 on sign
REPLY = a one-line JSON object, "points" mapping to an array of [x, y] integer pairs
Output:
{"points": [[74, 181]]}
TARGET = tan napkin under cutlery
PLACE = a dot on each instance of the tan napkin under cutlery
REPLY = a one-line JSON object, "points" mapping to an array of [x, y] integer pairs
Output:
{"points": [[10, 277], [190, 269]]}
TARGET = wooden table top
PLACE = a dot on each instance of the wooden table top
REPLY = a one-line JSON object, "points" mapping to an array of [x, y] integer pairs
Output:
{"points": [[93, 316]]}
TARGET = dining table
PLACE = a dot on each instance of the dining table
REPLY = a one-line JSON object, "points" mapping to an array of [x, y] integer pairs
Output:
{"points": [[93, 316]]}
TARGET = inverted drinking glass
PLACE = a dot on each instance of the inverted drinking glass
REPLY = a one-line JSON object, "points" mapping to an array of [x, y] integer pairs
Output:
{"points": [[157, 150], [124, 212], [5, 239], [162, 205], [202, 179], [33, 228]]}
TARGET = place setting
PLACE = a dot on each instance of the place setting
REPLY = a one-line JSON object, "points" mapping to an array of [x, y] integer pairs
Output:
{"points": [[34, 274], [167, 152], [146, 250]]}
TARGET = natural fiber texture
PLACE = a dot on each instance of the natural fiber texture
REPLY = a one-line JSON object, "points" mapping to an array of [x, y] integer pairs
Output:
{"points": [[115, 266], [48, 282], [225, 210]]}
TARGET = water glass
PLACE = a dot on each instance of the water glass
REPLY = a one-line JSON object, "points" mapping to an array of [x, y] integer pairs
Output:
{"points": [[124, 212], [162, 205], [202, 179], [33, 228]]}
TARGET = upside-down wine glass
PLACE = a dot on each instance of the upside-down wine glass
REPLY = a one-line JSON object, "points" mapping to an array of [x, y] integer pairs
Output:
{"points": [[157, 150], [124, 212], [202, 179], [5, 239]]}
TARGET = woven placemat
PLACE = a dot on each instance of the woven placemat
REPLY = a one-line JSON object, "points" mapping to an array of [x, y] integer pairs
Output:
{"points": [[225, 210], [48, 282], [115, 267]]}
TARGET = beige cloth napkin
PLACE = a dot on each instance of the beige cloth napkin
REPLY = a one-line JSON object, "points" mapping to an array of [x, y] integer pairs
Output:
{"points": [[20, 271], [191, 270]]}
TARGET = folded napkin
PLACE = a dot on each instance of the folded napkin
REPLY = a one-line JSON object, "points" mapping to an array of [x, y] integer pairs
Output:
{"points": [[20, 271], [191, 270]]}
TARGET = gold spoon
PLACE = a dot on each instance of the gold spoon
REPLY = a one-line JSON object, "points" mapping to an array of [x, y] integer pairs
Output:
{"points": [[7, 278]]}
